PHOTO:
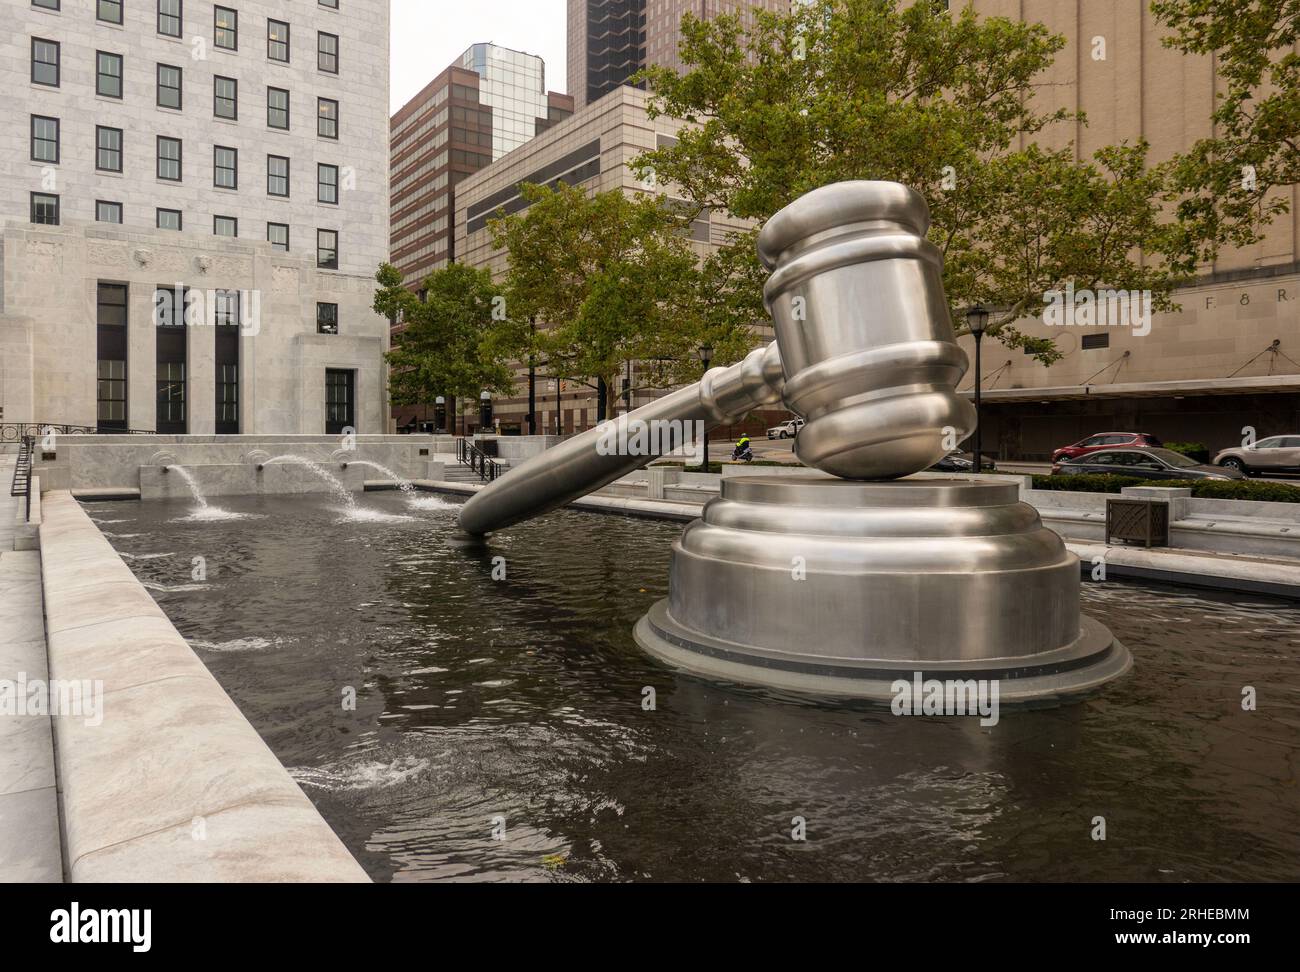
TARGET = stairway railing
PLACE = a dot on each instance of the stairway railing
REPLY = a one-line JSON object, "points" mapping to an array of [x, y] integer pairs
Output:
{"points": [[15, 431], [22, 484], [487, 468]]}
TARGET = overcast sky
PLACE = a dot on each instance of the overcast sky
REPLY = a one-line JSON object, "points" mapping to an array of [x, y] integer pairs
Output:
{"points": [[429, 34]]}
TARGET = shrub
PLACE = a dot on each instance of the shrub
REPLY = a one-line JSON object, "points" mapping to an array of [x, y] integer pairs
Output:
{"points": [[1088, 483], [1234, 489]]}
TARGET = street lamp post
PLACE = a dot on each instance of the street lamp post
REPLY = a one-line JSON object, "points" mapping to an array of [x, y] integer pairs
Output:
{"points": [[532, 377], [706, 356], [977, 319]]}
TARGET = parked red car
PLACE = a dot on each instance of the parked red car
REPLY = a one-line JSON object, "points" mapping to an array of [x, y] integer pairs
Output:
{"points": [[1106, 440]]}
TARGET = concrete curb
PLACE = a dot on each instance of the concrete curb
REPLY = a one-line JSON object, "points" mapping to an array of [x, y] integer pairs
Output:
{"points": [[174, 784]]}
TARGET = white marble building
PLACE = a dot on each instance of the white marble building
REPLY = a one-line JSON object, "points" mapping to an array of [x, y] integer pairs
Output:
{"points": [[240, 149]]}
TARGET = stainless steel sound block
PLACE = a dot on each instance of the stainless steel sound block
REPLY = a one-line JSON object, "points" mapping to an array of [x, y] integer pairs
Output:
{"points": [[830, 587]]}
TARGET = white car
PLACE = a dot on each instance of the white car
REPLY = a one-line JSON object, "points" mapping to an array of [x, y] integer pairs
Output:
{"points": [[786, 430]]}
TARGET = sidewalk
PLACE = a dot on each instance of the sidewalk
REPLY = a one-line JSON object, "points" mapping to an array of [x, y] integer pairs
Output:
{"points": [[29, 814]]}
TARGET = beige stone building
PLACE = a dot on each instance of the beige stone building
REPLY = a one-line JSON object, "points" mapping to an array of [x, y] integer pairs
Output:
{"points": [[191, 214], [1231, 357]]}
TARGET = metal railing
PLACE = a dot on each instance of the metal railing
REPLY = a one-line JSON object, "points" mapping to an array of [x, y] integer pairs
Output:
{"points": [[468, 454], [22, 484], [17, 431]]}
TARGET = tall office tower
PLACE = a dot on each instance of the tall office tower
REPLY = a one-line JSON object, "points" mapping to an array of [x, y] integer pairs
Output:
{"points": [[488, 102], [191, 212], [611, 40]]}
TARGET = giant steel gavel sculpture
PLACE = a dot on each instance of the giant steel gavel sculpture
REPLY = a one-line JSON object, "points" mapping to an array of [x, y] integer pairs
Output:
{"points": [[864, 352], [852, 583]]}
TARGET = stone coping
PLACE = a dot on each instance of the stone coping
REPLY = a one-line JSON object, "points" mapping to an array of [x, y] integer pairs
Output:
{"points": [[174, 784]]}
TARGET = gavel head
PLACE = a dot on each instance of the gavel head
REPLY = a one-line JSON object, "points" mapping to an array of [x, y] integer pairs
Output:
{"points": [[870, 358]]}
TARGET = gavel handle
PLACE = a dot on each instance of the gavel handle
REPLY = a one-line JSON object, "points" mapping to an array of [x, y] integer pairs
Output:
{"points": [[577, 467]]}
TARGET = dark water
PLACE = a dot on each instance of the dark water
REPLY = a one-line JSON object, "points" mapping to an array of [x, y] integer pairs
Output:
{"points": [[482, 699]]}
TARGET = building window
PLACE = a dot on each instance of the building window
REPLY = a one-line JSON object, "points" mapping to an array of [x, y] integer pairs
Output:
{"points": [[327, 249], [108, 149], [109, 11], [277, 108], [225, 97], [327, 318], [327, 118], [225, 33], [277, 40], [225, 167], [168, 219], [228, 399], [45, 62], [332, 4], [45, 139], [339, 393], [169, 86], [108, 74], [277, 234], [111, 393], [277, 176], [327, 52], [45, 209], [169, 158], [225, 226], [169, 17], [108, 212], [327, 183], [171, 397], [1094, 342], [46, 4], [111, 354]]}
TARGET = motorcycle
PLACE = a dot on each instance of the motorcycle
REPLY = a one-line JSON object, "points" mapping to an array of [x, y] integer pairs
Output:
{"points": [[742, 455]]}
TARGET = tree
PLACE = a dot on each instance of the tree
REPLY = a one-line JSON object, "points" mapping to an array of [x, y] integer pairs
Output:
{"points": [[1230, 180], [945, 103], [457, 341], [610, 278]]}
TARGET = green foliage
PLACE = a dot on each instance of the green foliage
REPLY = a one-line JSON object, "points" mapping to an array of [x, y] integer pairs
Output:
{"points": [[455, 342], [1230, 180], [1233, 489], [945, 103], [612, 278], [1088, 483]]}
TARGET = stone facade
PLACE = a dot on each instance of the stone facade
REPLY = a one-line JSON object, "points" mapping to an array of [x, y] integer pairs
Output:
{"points": [[1201, 374], [48, 318]]}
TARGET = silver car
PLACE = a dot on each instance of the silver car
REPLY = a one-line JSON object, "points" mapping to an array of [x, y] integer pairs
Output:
{"points": [[1279, 454], [786, 430]]}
